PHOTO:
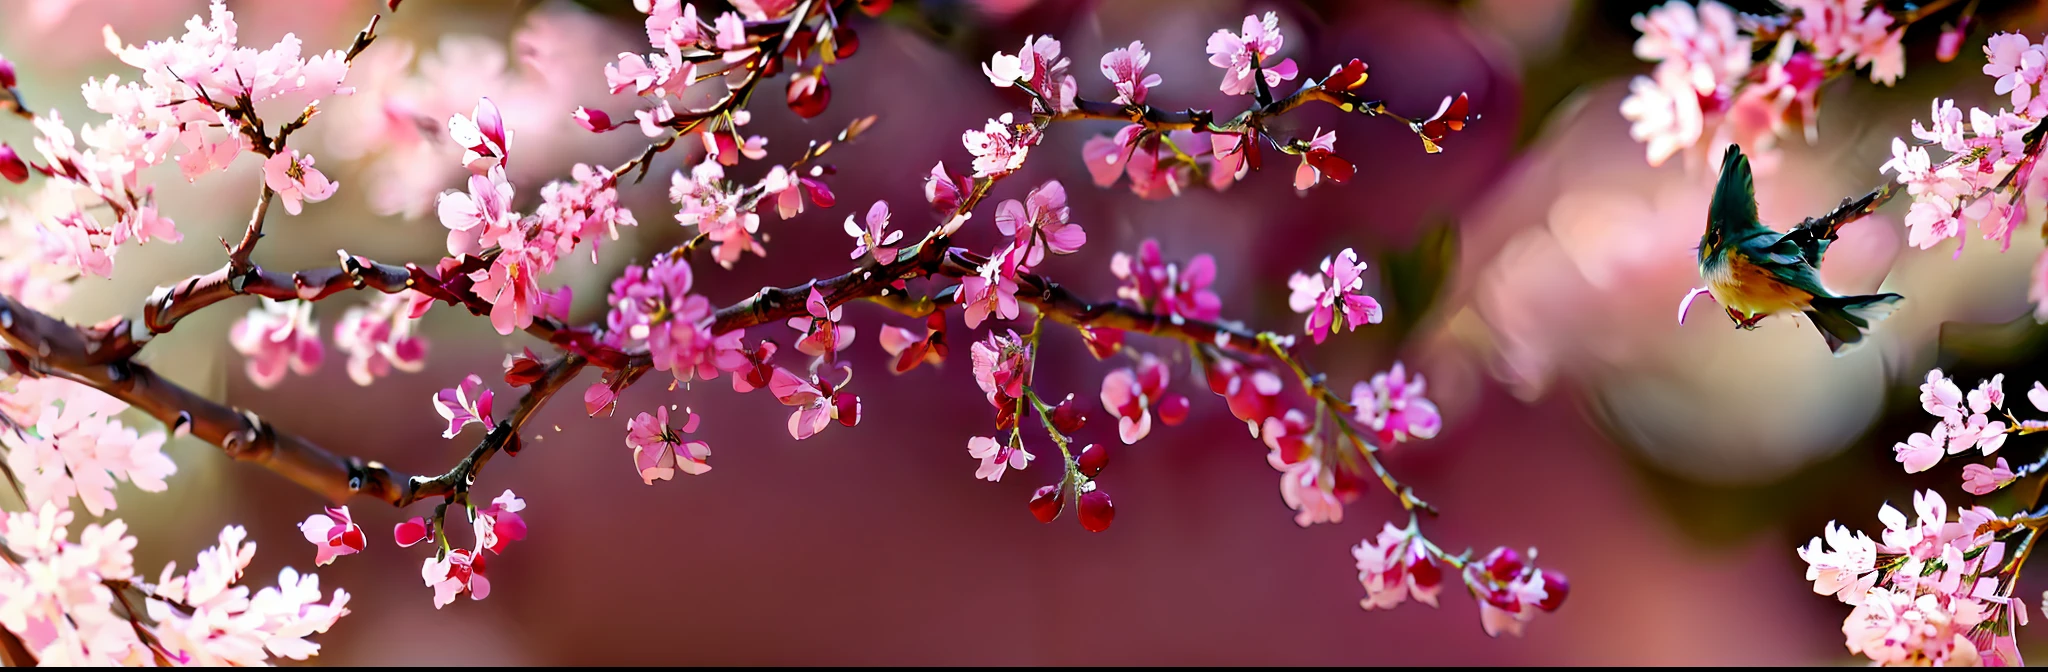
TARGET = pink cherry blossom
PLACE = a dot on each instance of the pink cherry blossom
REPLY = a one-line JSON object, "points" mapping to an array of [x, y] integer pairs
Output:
{"points": [[379, 336], [481, 218], [996, 457], [943, 189], [1238, 53], [1507, 602], [1146, 279], [1336, 291], [512, 286], [295, 180], [1132, 395], [992, 291], [1319, 156], [789, 190], [1040, 223], [1920, 451], [583, 209], [823, 334], [1309, 488], [462, 571], [716, 212], [202, 617], [659, 450], [1982, 480], [333, 533], [498, 524], [874, 237], [1002, 368], [1125, 69], [998, 149], [482, 137], [1392, 406], [1038, 66], [463, 404], [652, 307], [74, 445], [818, 402], [411, 532], [1108, 157], [279, 336], [1847, 570], [1858, 30], [1395, 566]]}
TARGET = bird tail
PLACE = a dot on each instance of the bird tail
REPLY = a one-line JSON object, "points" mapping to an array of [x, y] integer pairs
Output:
{"points": [[1844, 320]]}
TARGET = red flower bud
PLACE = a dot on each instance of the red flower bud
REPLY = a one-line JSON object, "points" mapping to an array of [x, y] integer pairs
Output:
{"points": [[1096, 511], [1047, 502], [11, 166], [847, 406], [595, 121], [1333, 166], [6, 73], [874, 7], [845, 42], [809, 93], [1503, 564], [1173, 409], [1067, 417], [1093, 459], [1102, 342], [1555, 588]]}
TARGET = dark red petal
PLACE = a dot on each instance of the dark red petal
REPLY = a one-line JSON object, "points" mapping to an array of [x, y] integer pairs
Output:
{"points": [[809, 93], [1503, 564], [1333, 166], [1555, 587], [874, 7], [1068, 417], [848, 408], [1047, 502], [1347, 77], [11, 165], [1426, 573], [1093, 459], [1096, 511], [845, 42], [1103, 342], [523, 369], [820, 194], [410, 532], [353, 538], [6, 74]]}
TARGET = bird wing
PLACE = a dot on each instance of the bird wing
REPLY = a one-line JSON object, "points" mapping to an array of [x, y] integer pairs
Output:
{"points": [[1734, 207], [1787, 258]]}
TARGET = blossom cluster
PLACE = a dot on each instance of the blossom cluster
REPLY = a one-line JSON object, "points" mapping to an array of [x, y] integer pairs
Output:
{"points": [[1400, 564], [1708, 90]]}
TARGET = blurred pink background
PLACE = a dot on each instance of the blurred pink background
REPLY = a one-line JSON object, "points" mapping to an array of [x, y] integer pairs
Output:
{"points": [[1643, 459]]}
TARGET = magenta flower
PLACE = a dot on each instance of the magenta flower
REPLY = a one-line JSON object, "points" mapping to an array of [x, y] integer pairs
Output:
{"points": [[482, 136], [411, 532], [1510, 594], [279, 336], [911, 349], [996, 457], [1392, 406], [463, 404], [1237, 53], [654, 307], [823, 334], [990, 292], [1395, 566], [1157, 286], [11, 166], [1132, 395], [461, 572], [595, 121], [1125, 69], [1108, 157], [817, 402], [294, 179], [1338, 289], [1982, 480], [875, 237], [659, 450], [498, 524], [583, 209], [943, 189], [1039, 223], [1002, 368], [333, 533]]}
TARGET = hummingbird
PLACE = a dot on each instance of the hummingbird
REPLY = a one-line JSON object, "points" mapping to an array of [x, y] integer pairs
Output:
{"points": [[1756, 272]]}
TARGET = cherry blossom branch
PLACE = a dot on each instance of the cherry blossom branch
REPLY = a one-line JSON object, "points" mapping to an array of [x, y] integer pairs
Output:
{"points": [[504, 436], [43, 345], [1156, 119]]}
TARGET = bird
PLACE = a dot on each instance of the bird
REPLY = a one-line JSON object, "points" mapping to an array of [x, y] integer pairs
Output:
{"points": [[1755, 272]]}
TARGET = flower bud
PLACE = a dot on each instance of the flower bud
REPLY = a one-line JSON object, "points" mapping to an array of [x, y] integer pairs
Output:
{"points": [[1555, 588], [1096, 511], [1347, 77], [847, 408], [809, 93], [6, 73], [844, 42], [1047, 502], [595, 121], [1503, 564], [1067, 417], [1092, 460], [1173, 410], [874, 7], [11, 166]]}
